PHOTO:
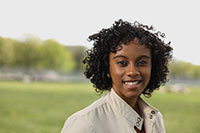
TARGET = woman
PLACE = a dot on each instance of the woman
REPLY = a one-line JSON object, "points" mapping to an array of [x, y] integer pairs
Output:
{"points": [[127, 60]]}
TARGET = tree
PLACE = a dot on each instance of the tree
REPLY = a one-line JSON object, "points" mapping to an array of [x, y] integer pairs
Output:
{"points": [[54, 56], [26, 53], [78, 55], [181, 69], [33, 53], [6, 52]]}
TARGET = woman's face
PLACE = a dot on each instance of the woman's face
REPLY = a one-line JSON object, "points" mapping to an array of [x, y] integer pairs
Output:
{"points": [[130, 70]]}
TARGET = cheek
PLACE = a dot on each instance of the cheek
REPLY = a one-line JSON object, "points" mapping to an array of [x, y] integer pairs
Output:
{"points": [[116, 71], [116, 74], [148, 73]]}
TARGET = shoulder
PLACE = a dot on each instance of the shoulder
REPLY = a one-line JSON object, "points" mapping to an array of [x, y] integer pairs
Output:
{"points": [[159, 118], [159, 123], [76, 124], [82, 121], [151, 113]]}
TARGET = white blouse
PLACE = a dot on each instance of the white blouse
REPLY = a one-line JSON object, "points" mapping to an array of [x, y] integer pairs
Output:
{"points": [[111, 114]]}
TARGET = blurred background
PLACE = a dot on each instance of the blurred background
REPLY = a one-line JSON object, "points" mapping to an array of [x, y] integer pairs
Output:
{"points": [[42, 44]]}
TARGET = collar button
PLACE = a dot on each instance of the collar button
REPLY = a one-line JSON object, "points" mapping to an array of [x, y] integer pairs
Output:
{"points": [[138, 119], [151, 117], [137, 124], [153, 112]]}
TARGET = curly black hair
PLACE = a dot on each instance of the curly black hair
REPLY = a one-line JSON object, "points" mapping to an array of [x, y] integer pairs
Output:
{"points": [[109, 40]]}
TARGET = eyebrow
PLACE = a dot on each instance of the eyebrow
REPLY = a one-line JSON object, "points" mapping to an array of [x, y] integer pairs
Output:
{"points": [[118, 56], [140, 57], [144, 56]]}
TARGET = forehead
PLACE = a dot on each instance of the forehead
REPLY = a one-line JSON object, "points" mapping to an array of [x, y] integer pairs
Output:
{"points": [[132, 49]]}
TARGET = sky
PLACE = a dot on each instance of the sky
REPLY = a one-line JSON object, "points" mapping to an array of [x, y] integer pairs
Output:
{"points": [[70, 22]]}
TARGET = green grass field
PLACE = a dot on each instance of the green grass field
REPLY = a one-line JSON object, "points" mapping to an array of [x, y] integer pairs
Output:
{"points": [[44, 107]]}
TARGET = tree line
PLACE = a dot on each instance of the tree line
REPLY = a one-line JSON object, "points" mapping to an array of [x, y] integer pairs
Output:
{"points": [[184, 70], [34, 53]]}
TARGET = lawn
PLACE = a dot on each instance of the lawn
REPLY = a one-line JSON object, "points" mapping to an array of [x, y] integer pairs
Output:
{"points": [[43, 107]]}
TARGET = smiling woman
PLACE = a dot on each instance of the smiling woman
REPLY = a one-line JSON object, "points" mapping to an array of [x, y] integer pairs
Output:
{"points": [[127, 60], [130, 70]]}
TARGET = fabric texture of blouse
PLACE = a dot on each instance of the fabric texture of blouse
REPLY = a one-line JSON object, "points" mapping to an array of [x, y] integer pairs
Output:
{"points": [[111, 114]]}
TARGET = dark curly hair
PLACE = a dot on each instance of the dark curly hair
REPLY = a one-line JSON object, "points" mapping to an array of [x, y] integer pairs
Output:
{"points": [[109, 40]]}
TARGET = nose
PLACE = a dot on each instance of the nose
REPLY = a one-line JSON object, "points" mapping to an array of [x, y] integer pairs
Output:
{"points": [[132, 71]]}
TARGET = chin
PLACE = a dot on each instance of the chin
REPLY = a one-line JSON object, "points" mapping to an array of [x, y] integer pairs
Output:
{"points": [[130, 95]]}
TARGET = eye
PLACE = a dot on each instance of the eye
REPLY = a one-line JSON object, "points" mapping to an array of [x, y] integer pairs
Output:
{"points": [[142, 63], [122, 63]]}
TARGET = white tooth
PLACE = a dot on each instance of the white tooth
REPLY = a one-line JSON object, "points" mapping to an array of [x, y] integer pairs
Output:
{"points": [[131, 83]]}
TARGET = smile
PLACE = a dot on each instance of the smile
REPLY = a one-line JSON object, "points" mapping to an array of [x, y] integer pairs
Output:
{"points": [[132, 82]]}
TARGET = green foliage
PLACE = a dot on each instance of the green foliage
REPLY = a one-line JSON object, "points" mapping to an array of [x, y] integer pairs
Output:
{"points": [[78, 55], [53, 55], [26, 53], [6, 52], [181, 69], [33, 53], [44, 107]]}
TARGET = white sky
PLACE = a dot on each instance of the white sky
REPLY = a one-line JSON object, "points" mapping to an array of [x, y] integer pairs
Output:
{"points": [[71, 21]]}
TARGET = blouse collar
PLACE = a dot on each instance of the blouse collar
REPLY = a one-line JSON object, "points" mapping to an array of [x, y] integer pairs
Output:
{"points": [[130, 114]]}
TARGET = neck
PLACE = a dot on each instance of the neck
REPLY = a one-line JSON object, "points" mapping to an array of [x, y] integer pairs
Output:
{"points": [[134, 105], [132, 101]]}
